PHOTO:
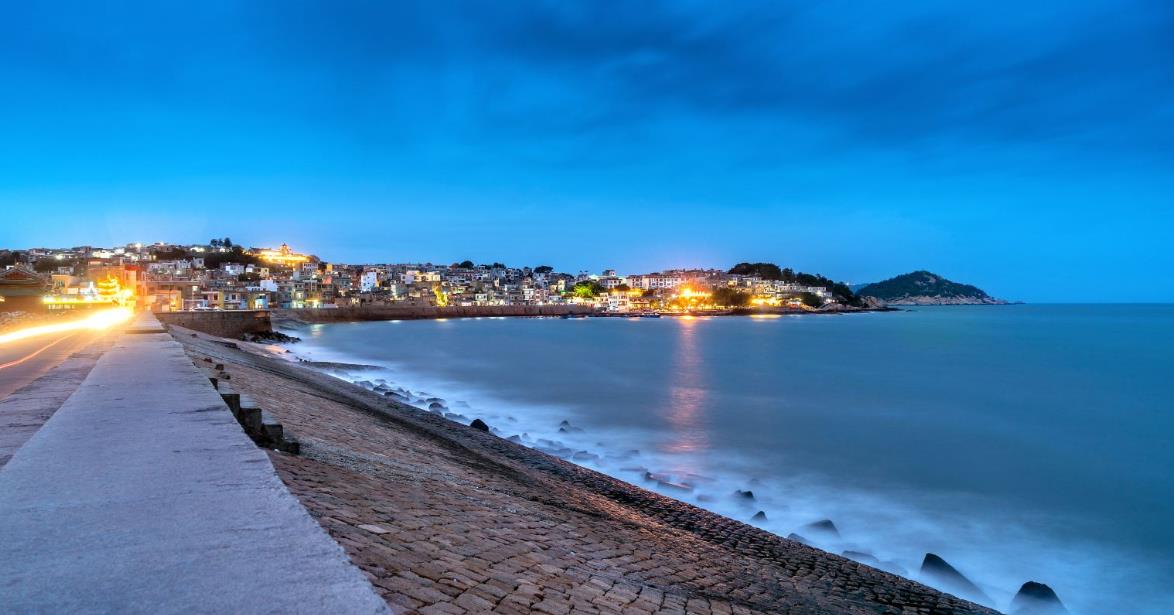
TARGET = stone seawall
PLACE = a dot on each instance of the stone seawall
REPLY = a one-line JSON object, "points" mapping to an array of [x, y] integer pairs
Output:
{"points": [[388, 312], [226, 323]]}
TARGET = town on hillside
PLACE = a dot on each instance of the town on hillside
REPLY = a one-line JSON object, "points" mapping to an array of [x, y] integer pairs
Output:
{"points": [[222, 275]]}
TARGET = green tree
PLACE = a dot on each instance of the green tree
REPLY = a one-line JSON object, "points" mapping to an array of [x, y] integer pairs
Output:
{"points": [[587, 289], [729, 297], [811, 299]]}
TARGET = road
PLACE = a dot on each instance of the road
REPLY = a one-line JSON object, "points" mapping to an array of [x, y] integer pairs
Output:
{"points": [[23, 361]]}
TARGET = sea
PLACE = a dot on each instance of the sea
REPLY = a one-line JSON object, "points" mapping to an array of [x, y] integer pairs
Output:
{"points": [[1019, 442]]}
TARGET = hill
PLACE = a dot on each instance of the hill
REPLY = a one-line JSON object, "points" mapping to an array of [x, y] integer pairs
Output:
{"points": [[925, 288], [771, 271]]}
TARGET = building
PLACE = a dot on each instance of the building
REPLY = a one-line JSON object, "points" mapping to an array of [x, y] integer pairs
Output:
{"points": [[21, 290]]}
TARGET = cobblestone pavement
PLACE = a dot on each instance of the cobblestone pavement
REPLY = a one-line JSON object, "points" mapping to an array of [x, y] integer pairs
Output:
{"points": [[447, 519]]}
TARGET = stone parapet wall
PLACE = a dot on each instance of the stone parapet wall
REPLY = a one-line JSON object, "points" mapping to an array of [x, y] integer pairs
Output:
{"points": [[221, 323]]}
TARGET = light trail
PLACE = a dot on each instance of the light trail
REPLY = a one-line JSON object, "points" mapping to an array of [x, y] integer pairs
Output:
{"points": [[37, 352], [97, 321]]}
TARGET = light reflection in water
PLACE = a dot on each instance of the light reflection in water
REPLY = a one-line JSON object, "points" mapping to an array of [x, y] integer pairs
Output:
{"points": [[687, 393]]}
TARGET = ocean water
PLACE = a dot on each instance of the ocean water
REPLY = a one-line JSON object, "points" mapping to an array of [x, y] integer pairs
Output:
{"points": [[1019, 443]]}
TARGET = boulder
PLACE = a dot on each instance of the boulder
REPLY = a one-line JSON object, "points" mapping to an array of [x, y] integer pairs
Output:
{"points": [[746, 495], [862, 557], [435, 406], [759, 516], [798, 538], [937, 572], [824, 526], [479, 424], [1036, 599]]}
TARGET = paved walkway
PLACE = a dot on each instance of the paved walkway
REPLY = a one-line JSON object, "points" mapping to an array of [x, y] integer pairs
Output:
{"points": [[142, 494], [24, 410]]}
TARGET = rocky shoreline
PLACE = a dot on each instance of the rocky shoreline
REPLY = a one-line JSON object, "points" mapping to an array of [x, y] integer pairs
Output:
{"points": [[408, 492], [927, 300]]}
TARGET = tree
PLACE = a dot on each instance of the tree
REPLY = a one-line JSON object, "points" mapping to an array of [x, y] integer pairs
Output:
{"points": [[811, 299], [213, 260], [729, 297], [45, 265], [588, 289], [771, 271], [226, 242], [543, 269], [215, 243], [172, 254], [464, 265], [623, 288], [766, 271]]}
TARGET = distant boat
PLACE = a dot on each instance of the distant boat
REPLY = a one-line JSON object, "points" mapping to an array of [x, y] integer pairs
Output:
{"points": [[572, 315]]}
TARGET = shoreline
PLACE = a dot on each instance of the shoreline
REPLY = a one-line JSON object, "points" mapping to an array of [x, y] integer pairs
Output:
{"points": [[791, 561], [384, 313]]}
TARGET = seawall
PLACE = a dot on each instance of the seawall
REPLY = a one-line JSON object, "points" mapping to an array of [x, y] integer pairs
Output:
{"points": [[446, 518], [221, 323], [390, 312]]}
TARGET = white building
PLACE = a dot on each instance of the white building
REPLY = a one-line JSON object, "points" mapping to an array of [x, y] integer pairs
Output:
{"points": [[369, 281]]}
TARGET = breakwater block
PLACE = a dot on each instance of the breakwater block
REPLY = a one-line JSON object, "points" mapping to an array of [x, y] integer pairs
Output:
{"points": [[263, 428]]}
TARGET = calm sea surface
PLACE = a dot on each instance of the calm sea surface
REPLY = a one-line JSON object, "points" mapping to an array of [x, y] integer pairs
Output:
{"points": [[1018, 442]]}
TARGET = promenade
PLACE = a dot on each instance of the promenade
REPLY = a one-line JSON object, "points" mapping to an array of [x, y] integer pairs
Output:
{"points": [[141, 493]]}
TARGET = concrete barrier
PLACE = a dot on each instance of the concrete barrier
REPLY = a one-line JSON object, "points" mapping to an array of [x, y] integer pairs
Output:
{"points": [[222, 323]]}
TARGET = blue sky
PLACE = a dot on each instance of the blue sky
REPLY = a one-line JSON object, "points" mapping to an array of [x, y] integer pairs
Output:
{"points": [[1023, 147]]}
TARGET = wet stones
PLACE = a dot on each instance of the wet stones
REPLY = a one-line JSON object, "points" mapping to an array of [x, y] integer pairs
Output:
{"points": [[938, 572], [863, 558], [585, 456], [759, 516], [479, 425], [744, 495], [1036, 599], [823, 527], [798, 538]]}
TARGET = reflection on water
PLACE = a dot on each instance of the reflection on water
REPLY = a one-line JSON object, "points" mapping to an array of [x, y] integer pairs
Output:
{"points": [[687, 392]]}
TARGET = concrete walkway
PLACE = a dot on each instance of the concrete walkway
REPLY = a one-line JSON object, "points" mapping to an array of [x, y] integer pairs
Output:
{"points": [[143, 494]]}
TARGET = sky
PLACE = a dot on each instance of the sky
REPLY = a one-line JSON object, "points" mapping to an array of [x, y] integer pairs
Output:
{"points": [[1024, 147]]}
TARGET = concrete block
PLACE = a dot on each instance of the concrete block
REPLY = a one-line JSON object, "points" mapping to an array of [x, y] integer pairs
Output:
{"points": [[271, 430]]}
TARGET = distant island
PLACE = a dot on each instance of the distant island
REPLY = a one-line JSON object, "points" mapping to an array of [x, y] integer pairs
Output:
{"points": [[925, 288]]}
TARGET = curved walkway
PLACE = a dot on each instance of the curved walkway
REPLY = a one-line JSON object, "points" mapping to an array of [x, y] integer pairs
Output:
{"points": [[143, 494]]}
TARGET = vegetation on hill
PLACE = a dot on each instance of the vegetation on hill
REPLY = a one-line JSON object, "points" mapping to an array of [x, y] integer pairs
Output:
{"points": [[923, 285], [771, 271]]}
